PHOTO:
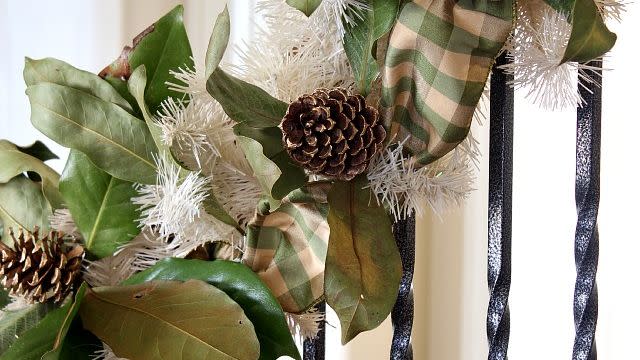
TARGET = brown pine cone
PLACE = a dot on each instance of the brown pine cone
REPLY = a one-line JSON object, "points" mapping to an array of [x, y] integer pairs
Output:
{"points": [[332, 133], [40, 269]]}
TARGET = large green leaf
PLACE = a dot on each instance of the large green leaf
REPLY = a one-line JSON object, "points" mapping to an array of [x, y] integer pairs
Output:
{"points": [[100, 205], [244, 287], [360, 41], [54, 71], [363, 267], [170, 320], [271, 164], [14, 323], [23, 205], [244, 102], [166, 47], [217, 42], [590, 38], [44, 340], [113, 139], [306, 6]]}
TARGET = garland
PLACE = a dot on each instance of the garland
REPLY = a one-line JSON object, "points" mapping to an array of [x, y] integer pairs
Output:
{"points": [[213, 205]]}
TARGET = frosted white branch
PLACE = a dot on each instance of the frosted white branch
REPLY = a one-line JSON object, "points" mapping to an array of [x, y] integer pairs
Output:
{"points": [[306, 325], [405, 189], [62, 221], [537, 49]]}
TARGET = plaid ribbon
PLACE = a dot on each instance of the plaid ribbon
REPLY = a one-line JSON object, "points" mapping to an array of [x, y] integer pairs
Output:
{"points": [[439, 57], [287, 247]]}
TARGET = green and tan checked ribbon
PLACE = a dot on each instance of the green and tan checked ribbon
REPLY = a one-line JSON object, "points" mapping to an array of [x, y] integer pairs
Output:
{"points": [[287, 248], [439, 57]]}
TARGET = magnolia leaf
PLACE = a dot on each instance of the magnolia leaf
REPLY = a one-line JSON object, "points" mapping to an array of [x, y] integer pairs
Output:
{"points": [[271, 164], [38, 150], [363, 267], [306, 6], [72, 309], [170, 320], [244, 102], [590, 37], [244, 287], [43, 341], [137, 83], [14, 323], [15, 162], [54, 71], [218, 42], [23, 205], [113, 139], [165, 47], [360, 41], [121, 86], [100, 205]]}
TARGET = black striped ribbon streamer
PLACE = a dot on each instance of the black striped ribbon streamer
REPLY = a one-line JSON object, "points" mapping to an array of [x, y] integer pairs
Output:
{"points": [[314, 348], [585, 301], [402, 314], [500, 190]]}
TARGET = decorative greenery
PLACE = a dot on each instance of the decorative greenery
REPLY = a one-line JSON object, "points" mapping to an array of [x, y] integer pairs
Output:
{"points": [[190, 320], [100, 205], [360, 41], [363, 263], [170, 163], [244, 287]]}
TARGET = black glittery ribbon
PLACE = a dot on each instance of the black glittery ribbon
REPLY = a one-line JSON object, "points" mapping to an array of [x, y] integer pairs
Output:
{"points": [[402, 313], [585, 298], [500, 190]]}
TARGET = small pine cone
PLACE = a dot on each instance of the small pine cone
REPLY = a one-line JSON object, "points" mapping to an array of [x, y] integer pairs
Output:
{"points": [[40, 269], [332, 133]]}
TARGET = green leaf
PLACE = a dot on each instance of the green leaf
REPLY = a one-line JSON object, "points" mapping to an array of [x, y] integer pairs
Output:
{"points": [[121, 86], [14, 323], [137, 83], [217, 42], [38, 150], [72, 309], [113, 139], [244, 287], [100, 205], [360, 41], [244, 102], [190, 320], [43, 340], [15, 162], [590, 37], [271, 164], [363, 267], [163, 49], [54, 71], [23, 205], [306, 6], [4, 301]]}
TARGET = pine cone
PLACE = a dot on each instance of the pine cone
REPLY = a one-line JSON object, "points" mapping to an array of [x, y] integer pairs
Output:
{"points": [[332, 133], [40, 269]]}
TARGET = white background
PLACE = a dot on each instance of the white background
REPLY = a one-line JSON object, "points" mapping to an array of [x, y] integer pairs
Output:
{"points": [[450, 282]]}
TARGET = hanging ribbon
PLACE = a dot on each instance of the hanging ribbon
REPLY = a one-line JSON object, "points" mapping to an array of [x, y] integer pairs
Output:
{"points": [[288, 247]]}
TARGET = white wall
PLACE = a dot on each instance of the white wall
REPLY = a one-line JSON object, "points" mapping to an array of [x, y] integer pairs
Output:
{"points": [[450, 283]]}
